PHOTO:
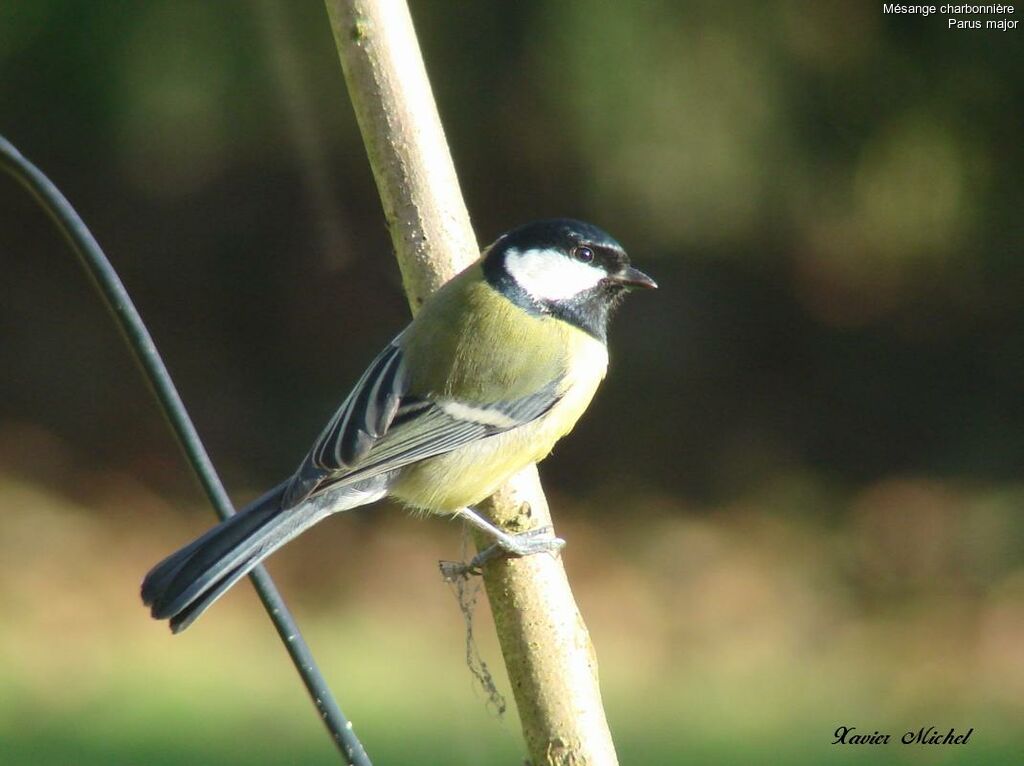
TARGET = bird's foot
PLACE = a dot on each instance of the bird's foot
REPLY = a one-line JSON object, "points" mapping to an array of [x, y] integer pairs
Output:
{"points": [[533, 541]]}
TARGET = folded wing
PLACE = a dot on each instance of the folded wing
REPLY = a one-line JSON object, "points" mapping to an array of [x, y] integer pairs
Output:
{"points": [[382, 427]]}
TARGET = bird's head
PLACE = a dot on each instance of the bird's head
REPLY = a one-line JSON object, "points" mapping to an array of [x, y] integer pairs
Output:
{"points": [[566, 268]]}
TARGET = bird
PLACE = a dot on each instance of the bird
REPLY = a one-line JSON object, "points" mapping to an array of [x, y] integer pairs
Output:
{"points": [[496, 367]]}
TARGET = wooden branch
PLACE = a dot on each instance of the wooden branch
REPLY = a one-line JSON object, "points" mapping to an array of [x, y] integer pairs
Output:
{"points": [[402, 132], [547, 649]]}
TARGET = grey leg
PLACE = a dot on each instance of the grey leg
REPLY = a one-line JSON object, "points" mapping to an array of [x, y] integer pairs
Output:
{"points": [[523, 544]]}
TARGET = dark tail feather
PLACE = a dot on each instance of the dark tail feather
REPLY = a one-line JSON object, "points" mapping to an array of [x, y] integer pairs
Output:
{"points": [[183, 585]]}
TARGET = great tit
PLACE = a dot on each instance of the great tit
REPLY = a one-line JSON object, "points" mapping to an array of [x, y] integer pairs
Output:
{"points": [[496, 367]]}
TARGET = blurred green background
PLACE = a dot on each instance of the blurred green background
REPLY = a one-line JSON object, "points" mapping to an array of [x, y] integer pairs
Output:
{"points": [[795, 505]]}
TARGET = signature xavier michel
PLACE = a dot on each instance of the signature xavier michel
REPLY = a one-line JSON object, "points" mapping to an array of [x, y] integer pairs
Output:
{"points": [[848, 735]]}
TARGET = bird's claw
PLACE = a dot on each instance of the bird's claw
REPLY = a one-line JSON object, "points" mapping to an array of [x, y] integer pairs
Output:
{"points": [[528, 543]]}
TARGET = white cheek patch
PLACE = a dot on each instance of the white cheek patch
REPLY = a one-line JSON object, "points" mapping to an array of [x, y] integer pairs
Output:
{"points": [[549, 275]]}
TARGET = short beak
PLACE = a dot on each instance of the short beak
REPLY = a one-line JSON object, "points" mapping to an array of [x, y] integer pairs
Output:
{"points": [[631, 277]]}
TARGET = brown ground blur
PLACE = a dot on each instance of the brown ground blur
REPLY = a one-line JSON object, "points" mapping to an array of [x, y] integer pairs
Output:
{"points": [[795, 505]]}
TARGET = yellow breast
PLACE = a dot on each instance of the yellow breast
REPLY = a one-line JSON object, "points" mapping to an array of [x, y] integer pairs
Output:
{"points": [[467, 475]]}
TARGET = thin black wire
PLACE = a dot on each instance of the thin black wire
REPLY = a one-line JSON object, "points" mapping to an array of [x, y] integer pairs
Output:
{"points": [[130, 323]]}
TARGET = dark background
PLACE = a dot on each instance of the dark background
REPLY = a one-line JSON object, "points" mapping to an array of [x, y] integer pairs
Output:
{"points": [[795, 503]]}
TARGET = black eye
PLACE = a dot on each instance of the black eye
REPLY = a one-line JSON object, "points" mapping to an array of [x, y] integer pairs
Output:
{"points": [[583, 253]]}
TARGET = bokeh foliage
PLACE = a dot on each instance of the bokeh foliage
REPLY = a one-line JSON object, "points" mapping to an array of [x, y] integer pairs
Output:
{"points": [[796, 503]]}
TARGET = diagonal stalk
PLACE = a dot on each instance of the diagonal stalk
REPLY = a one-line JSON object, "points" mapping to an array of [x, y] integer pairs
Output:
{"points": [[547, 650], [116, 297]]}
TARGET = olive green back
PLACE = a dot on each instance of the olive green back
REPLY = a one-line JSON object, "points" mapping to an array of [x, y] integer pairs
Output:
{"points": [[471, 341]]}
